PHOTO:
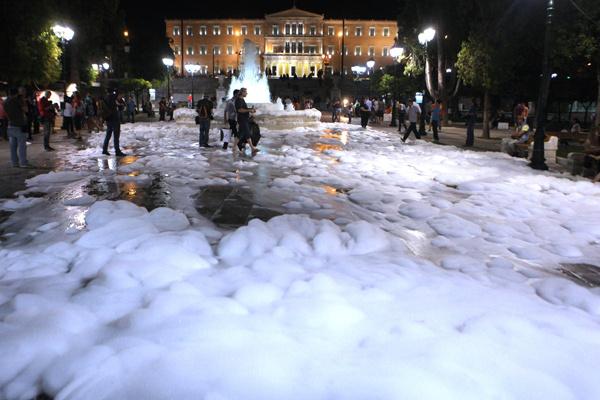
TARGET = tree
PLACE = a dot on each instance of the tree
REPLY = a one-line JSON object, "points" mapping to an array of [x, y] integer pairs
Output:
{"points": [[577, 44], [487, 59], [29, 49], [451, 24], [392, 79]]}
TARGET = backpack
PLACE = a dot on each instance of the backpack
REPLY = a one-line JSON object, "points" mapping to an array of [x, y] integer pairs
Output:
{"points": [[103, 109], [203, 111]]}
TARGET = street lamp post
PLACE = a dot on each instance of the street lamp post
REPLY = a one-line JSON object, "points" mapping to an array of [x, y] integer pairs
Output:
{"points": [[169, 63], [425, 37], [192, 69], [370, 65], [537, 157], [396, 52], [65, 35]]}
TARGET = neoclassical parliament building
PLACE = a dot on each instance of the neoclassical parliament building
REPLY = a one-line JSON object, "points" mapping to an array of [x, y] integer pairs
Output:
{"points": [[292, 42]]}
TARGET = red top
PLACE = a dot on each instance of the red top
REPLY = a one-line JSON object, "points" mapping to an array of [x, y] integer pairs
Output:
{"points": [[44, 103]]}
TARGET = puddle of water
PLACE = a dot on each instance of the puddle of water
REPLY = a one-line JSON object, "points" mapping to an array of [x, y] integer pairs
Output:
{"points": [[582, 273]]}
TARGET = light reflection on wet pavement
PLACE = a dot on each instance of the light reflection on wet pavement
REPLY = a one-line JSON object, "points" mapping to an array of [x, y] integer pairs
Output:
{"points": [[227, 206]]}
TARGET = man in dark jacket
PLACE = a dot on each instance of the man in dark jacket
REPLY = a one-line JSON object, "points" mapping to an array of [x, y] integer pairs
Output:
{"points": [[113, 124], [205, 111]]}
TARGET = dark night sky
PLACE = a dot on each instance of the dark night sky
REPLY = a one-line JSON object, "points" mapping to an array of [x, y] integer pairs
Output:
{"points": [[381, 9]]}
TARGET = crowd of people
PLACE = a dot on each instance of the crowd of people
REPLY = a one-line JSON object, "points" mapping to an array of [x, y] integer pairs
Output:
{"points": [[23, 114], [33, 115]]}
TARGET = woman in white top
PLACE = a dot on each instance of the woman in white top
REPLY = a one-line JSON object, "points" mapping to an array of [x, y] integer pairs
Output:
{"points": [[575, 128], [68, 118]]}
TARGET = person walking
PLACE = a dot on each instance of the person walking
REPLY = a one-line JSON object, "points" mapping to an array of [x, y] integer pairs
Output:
{"points": [[401, 117], [413, 111], [435, 120], [365, 113], [230, 117], [471, 117], [204, 108], [16, 111], [47, 112], [3, 117], [162, 109], [243, 114], [113, 124], [68, 118], [130, 109]]}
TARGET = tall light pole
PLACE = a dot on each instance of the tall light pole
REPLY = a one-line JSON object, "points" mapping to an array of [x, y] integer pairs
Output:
{"points": [[192, 69], [341, 36], [65, 35], [425, 37], [537, 157], [169, 63], [370, 65], [396, 52]]}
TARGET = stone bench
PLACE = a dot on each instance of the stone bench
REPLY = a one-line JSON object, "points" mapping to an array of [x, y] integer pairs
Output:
{"points": [[550, 148]]}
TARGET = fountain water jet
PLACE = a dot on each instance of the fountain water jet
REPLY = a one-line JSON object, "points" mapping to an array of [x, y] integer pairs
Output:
{"points": [[269, 115]]}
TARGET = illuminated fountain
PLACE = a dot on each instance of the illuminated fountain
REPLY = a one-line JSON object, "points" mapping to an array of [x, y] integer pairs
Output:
{"points": [[268, 114]]}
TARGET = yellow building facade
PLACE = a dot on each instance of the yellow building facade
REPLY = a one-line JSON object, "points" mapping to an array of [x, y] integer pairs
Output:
{"points": [[292, 42]]}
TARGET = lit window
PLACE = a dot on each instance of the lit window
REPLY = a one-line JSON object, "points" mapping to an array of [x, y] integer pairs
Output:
{"points": [[202, 49], [312, 49], [257, 30], [204, 69], [176, 30], [203, 30], [257, 49], [230, 49], [371, 31], [244, 31], [216, 30], [385, 52], [358, 31], [313, 30], [189, 31], [386, 31], [190, 50], [230, 30], [177, 50], [300, 29], [346, 31], [217, 50], [330, 50], [357, 51], [330, 31], [230, 68], [371, 51], [300, 49], [275, 30], [345, 50]]}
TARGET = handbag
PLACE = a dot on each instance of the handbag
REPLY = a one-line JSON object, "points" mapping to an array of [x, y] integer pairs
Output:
{"points": [[197, 120]]}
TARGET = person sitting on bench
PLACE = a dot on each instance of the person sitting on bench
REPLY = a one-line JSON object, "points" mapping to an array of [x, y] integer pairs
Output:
{"points": [[521, 135]]}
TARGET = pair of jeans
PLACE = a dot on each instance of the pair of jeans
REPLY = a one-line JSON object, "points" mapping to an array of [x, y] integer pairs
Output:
{"points": [[204, 128], [47, 124], [411, 128], [18, 145], [470, 133], [434, 126], [112, 129]]}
